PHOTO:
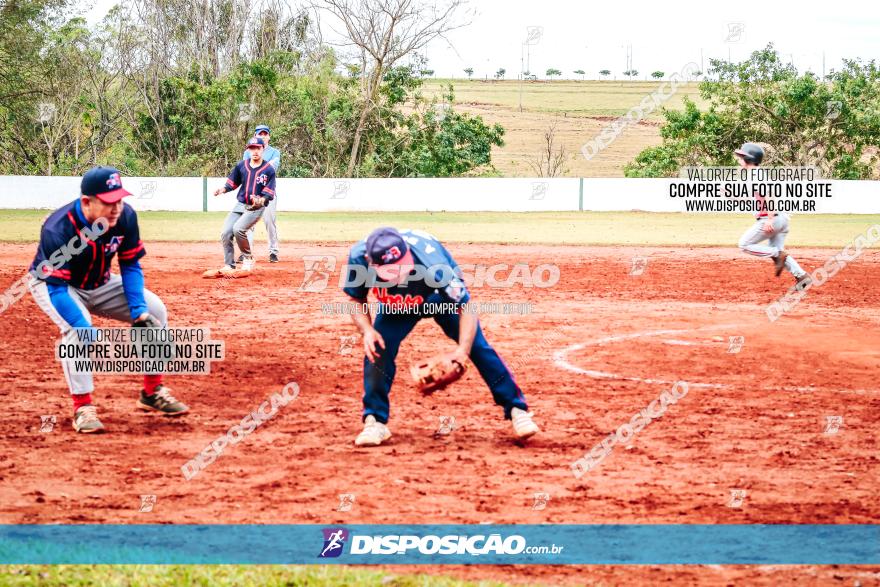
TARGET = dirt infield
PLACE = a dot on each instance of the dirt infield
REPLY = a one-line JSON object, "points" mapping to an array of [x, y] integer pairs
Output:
{"points": [[751, 442]]}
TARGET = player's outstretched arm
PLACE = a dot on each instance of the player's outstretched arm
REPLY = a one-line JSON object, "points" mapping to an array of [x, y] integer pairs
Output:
{"points": [[467, 331], [373, 341]]}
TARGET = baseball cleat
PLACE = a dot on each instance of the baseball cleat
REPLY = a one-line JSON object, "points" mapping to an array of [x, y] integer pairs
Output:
{"points": [[248, 263], [779, 261], [85, 420], [273, 257], [374, 433], [241, 258], [802, 281], [162, 401], [523, 426]]}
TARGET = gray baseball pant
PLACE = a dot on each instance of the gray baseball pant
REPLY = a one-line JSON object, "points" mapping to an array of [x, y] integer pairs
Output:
{"points": [[271, 227], [108, 301], [236, 227], [750, 241]]}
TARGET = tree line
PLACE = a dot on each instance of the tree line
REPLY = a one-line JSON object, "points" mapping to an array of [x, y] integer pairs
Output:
{"points": [[171, 87]]}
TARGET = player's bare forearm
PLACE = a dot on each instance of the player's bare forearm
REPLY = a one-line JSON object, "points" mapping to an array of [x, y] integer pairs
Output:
{"points": [[467, 331], [363, 320]]}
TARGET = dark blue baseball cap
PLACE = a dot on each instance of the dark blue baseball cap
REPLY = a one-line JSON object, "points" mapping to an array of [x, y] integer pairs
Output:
{"points": [[385, 246], [256, 142], [261, 128], [104, 183]]}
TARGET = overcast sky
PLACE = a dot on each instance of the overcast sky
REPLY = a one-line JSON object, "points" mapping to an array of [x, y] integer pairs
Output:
{"points": [[664, 35]]}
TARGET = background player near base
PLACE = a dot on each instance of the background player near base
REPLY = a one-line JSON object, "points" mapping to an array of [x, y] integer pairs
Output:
{"points": [[257, 180], [394, 255], [273, 156], [768, 225], [67, 288]]}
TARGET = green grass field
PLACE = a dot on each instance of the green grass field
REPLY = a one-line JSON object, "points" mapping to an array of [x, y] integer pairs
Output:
{"points": [[584, 98], [550, 228], [210, 575]]}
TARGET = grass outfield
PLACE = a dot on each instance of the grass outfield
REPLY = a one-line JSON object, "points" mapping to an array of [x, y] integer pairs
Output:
{"points": [[207, 575], [551, 228], [588, 98]]}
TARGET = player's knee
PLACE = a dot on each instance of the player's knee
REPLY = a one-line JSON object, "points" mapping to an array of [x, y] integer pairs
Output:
{"points": [[156, 307]]}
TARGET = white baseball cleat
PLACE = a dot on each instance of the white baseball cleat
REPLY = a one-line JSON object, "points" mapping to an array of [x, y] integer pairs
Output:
{"points": [[247, 264], [523, 426], [374, 433]]}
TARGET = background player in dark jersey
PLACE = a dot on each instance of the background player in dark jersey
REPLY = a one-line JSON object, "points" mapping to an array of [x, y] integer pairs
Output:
{"points": [[71, 277], [257, 180], [394, 255]]}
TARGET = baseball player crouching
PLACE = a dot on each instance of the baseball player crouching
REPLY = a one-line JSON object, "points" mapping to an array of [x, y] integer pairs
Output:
{"points": [[406, 296], [768, 226], [257, 180], [68, 285]]}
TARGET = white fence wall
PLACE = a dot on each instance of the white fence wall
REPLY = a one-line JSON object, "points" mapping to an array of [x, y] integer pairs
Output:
{"points": [[436, 195]]}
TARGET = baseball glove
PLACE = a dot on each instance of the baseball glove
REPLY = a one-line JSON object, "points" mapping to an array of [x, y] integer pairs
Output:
{"points": [[257, 202], [437, 372], [149, 321]]}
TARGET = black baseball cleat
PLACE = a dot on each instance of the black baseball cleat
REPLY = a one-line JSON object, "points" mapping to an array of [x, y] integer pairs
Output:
{"points": [[162, 401], [273, 257], [779, 261]]}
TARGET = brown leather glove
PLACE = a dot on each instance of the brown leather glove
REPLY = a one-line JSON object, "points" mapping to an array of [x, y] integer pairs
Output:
{"points": [[437, 372]]}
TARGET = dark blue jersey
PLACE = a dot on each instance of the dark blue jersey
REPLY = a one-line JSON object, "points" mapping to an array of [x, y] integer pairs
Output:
{"points": [[254, 181], [439, 278], [74, 252]]}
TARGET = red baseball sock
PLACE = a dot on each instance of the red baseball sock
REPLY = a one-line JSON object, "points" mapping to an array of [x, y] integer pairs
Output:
{"points": [[80, 400], [151, 382]]}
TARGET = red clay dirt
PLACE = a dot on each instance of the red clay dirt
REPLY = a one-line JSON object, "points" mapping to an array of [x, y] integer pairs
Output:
{"points": [[754, 420]]}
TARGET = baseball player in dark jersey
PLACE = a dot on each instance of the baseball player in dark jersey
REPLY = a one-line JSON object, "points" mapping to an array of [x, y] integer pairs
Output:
{"points": [[403, 293], [257, 180], [768, 225], [273, 156], [71, 278]]}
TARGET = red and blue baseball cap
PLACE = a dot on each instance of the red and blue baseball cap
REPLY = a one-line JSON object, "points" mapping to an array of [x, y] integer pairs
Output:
{"points": [[386, 249], [256, 142], [261, 128], [104, 183]]}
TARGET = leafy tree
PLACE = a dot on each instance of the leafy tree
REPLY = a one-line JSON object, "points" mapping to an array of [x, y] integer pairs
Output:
{"points": [[580, 72], [500, 73], [605, 72], [631, 72], [553, 72], [111, 96], [469, 71], [802, 120], [658, 75]]}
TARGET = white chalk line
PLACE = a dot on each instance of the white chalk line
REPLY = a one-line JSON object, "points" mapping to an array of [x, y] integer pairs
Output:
{"points": [[560, 360]]}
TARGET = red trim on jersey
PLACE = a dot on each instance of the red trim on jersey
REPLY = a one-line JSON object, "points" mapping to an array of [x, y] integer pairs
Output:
{"points": [[61, 274], [128, 255], [91, 265]]}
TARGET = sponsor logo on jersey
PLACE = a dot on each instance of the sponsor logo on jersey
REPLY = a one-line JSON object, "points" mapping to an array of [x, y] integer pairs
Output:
{"points": [[397, 300], [113, 245], [263, 178]]}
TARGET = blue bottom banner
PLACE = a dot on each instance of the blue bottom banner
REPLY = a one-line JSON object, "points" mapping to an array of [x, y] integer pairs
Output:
{"points": [[595, 544]]}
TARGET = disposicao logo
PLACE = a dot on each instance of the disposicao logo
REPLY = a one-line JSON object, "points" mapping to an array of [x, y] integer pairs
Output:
{"points": [[334, 540]]}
